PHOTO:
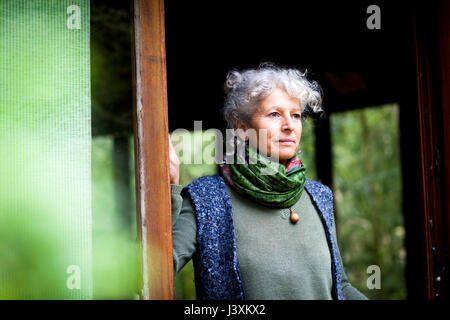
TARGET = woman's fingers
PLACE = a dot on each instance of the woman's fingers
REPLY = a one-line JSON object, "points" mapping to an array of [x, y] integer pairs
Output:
{"points": [[172, 153], [174, 164]]}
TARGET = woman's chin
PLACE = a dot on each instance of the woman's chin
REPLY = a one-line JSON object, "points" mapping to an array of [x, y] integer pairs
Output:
{"points": [[284, 157]]}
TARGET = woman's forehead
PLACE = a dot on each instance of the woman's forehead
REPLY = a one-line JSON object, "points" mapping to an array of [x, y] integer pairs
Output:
{"points": [[279, 97], [292, 105]]}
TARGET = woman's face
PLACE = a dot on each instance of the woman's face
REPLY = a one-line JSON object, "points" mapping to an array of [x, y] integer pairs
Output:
{"points": [[279, 115]]}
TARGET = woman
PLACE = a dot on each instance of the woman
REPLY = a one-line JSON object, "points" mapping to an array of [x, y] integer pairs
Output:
{"points": [[254, 233]]}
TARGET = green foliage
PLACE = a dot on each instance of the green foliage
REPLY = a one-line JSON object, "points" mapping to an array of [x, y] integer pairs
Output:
{"points": [[307, 146], [34, 259], [44, 150], [368, 193], [31, 253], [42, 226], [115, 247]]}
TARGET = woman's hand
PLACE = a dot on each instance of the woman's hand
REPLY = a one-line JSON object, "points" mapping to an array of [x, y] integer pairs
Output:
{"points": [[174, 164]]}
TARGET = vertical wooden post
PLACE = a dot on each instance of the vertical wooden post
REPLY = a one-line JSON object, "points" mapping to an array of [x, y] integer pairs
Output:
{"points": [[426, 145], [431, 108], [443, 22], [151, 150]]}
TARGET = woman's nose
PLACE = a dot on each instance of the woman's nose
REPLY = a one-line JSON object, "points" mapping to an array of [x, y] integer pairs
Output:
{"points": [[287, 123]]}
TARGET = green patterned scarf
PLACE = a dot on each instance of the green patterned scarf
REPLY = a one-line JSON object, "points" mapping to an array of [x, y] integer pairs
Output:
{"points": [[267, 182]]}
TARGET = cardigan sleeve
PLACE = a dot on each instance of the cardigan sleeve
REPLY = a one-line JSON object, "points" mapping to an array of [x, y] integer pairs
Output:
{"points": [[349, 292], [184, 228]]}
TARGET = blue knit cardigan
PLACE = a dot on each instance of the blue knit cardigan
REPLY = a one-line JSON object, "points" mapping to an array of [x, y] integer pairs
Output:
{"points": [[216, 268]]}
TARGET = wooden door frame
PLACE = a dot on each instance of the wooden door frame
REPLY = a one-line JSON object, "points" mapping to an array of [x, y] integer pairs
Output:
{"points": [[433, 106], [151, 130]]}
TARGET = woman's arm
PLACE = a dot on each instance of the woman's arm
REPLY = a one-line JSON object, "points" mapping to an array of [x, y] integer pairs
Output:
{"points": [[184, 229], [349, 292], [184, 225]]}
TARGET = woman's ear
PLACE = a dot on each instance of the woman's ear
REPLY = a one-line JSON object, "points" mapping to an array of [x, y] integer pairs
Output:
{"points": [[240, 125], [241, 130]]}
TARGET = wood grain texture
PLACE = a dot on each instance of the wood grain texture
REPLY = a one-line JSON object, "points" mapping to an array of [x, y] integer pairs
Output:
{"points": [[151, 150], [423, 101], [430, 111], [444, 48]]}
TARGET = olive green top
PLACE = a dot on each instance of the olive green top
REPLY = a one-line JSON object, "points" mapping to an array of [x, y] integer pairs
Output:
{"points": [[278, 260]]}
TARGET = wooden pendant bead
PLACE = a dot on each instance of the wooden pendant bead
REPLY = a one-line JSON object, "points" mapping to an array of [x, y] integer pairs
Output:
{"points": [[294, 216]]}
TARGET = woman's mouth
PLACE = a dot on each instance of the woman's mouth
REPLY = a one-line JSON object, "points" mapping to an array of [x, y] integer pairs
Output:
{"points": [[285, 141]]}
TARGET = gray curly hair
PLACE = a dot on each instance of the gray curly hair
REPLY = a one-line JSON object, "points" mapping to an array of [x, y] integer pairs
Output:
{"points": [[245, 89]]}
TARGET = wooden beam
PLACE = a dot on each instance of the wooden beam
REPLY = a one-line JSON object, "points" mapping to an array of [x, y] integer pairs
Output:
{"points": [[151, 150], [430, 147], [444, 67]]}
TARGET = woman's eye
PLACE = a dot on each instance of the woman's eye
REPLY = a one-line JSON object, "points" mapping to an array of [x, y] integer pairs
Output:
{"points": [[297, 116], [274, 114]]}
